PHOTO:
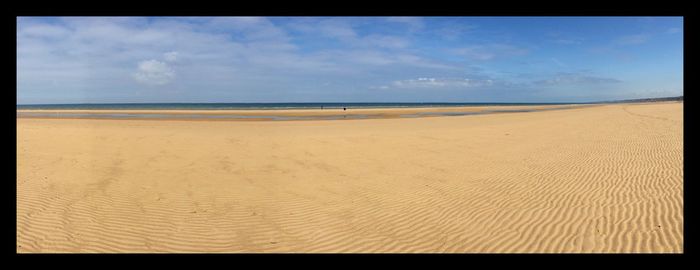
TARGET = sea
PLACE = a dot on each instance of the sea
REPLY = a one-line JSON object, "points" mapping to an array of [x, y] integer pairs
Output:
{"points": [[255, 106]]}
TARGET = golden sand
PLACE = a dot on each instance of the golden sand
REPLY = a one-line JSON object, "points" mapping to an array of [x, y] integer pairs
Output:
{"points": [[597, 179]]}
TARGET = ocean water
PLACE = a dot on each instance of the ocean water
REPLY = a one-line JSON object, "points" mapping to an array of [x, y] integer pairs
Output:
{"points": [[255, 106]]}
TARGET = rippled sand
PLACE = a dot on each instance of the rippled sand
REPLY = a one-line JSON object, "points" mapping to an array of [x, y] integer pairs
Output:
{"points": [[597, 179]]}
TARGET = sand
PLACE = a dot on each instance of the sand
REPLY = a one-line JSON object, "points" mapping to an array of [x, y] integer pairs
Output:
{"points": [[595, 180]]}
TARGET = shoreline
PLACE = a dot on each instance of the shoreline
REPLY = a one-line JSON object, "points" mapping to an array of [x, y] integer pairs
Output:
{"points": [[286, 114], [300, 114]]}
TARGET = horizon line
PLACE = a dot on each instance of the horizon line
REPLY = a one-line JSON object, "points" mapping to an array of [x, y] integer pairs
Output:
{"points": [[361, 102]]}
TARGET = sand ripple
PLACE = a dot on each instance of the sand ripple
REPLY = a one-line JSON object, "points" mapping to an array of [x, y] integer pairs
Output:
{"points": [[600, 179]]}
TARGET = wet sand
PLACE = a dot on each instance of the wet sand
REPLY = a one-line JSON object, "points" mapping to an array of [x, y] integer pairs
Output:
{"points": [[292, 114]]}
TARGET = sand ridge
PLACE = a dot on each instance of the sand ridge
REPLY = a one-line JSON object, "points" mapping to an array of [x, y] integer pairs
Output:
{"points": [[598, 179]]}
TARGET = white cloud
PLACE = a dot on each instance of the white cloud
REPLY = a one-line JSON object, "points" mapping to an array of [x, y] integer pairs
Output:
{"points": [[344, 32], [337, 29], [441, 82], [414, 23], [154, 72], [490, 51], [454, 32], [249, 29], [567, 41], [573, 78], [45, 31], [564, 38], [632, 39], [385, 41], [170, 56]]}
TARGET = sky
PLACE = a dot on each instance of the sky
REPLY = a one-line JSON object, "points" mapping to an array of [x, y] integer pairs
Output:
{"points": [[347, 59]]}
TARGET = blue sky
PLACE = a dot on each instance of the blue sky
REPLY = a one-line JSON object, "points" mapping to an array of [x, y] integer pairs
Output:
{"points": [[347, 59]]}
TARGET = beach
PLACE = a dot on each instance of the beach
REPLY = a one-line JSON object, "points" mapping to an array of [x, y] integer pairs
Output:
{"points": [[593, 179]]}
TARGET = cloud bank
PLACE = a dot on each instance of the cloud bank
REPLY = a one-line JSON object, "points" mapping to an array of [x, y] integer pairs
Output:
{"points": [[256, 59]]}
